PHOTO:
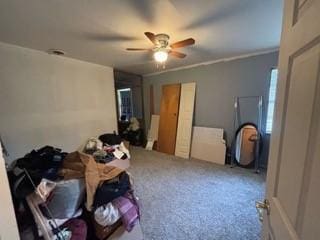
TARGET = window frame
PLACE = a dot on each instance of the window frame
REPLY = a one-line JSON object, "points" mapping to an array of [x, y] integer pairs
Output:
{"points": [[273, 82]]}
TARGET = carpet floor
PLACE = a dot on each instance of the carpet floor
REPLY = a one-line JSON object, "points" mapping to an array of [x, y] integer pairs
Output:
{"points": [[195, 200]]}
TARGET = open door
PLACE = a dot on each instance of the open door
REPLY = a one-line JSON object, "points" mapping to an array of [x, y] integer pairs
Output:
{"points": [[293, 180]]}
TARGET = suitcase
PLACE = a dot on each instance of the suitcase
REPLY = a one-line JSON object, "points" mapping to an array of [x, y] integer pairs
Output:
{"points": [[103, 233]]}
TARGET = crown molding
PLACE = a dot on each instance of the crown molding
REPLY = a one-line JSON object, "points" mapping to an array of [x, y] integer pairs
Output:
{"points": [[214, 61]]}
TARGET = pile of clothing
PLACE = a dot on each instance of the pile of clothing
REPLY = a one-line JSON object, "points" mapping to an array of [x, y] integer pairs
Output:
{"points": [[42, 163], [109, 192], [115, 203], [107, 148], [134, 133], [69, 182], [37, 173]]}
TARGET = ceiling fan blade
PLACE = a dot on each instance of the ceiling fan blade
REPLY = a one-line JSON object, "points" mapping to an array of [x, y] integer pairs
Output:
{"points": [[183, 43], [137, 49], [151, 37], [177, 54]]}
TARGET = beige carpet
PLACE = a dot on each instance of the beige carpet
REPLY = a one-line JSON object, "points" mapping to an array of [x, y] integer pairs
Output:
{"points": [[195, 200]]}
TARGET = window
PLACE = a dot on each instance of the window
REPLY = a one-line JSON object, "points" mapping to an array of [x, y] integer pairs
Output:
{"points": [[125, 103], [271, 100]]}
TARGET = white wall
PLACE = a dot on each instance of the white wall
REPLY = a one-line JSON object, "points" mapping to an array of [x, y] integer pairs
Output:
{"points": [[52, 100], [8, 224]]}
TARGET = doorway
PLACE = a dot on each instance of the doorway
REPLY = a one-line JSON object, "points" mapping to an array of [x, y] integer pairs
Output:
{"points": [[129, 103], [125, 108]]}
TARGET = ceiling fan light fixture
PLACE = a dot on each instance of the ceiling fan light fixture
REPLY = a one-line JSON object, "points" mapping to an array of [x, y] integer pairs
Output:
{"points": [[160, 56]]}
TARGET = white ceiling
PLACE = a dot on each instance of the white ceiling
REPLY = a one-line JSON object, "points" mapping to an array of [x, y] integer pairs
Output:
{"points": [[98, 31]]}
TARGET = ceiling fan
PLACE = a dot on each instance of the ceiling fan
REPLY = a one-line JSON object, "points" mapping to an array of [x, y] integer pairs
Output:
{"points": [[162, 49]]}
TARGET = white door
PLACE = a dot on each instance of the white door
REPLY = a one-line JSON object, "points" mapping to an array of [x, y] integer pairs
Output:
{"points": [[184, 131], [293, 180]]}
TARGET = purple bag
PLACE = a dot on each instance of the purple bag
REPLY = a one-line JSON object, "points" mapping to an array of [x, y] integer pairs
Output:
{"points": [[129, 210]]}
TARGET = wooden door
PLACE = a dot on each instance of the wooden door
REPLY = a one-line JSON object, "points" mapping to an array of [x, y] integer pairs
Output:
{"points": [[169, 111], [293, 178], [151, 101], [183, 142]]}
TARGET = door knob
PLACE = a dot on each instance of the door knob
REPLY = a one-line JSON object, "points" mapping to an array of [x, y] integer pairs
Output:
{"points": [[262, 206]]}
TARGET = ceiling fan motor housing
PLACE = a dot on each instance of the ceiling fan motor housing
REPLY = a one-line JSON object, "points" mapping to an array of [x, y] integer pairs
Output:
{"points": [[162, 39], [162, 49]]}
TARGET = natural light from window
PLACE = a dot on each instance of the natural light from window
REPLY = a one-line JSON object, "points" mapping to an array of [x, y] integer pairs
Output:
{"points": [[125, 103], [272, 99]]}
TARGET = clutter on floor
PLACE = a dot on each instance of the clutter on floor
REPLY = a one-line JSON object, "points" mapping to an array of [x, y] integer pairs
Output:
{"points": [[185, 120], [134, 133], [176, 118], [247, 145], [248, 136], [208, 144], [69, 195], [153, 132]]}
